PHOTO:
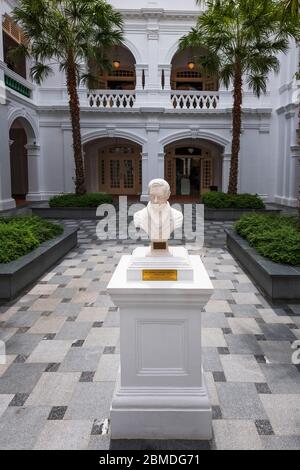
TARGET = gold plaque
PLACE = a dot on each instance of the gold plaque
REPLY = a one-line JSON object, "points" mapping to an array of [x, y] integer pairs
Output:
{"points": [[159, 245], [160, 275]]}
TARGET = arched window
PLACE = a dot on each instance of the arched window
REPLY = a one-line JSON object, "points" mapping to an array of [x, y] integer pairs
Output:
{"points": [[121, 73], [187, 75]]}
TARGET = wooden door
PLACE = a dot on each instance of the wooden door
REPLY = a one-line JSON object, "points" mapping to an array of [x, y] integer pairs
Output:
{"points": [[206, 174], [170, 172], [120, 175]]}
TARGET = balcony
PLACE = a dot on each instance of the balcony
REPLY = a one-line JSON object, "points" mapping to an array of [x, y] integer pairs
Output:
{"points": [[173, 100], [111, 99], [195, 100], [18, 84]]}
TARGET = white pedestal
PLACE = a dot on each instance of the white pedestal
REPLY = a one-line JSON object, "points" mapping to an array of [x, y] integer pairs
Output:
{"points": [[161, 392]]}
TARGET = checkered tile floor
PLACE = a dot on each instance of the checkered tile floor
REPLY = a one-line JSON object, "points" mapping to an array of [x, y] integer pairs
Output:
{"points": [[62, 342]]}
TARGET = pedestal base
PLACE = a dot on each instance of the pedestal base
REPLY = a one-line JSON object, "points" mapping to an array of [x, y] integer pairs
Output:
{"points": [[161, 414], [161, 393]]}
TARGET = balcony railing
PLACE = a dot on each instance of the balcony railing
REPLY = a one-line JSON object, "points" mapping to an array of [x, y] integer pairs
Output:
{"points": [[18, 84], [111, 99], [195, 99]]}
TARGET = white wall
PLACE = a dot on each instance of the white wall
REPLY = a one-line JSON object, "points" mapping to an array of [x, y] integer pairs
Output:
{"points": [[268, 143]]}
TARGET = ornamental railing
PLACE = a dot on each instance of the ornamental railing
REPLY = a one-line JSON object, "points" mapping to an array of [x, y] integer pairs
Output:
{"points": [[15, 85], [195, 99], [111, 99]]}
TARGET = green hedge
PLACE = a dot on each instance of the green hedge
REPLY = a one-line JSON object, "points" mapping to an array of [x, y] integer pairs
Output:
{"points": [[273, 236], [218, 200], [21, 235], [86, 200]]}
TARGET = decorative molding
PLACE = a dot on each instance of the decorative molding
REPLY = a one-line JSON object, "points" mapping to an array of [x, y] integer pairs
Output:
{"points": [[100, 134], [153, 127], [187, 134], [153, 33], [264, 129], [287, 108], [159, 13], [295, 149], [111, 131], [290, 115], [30, 124]]}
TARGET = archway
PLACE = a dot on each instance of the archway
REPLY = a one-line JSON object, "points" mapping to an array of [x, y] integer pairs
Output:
{"points": [[20, 134], [113, 166], [186, 74], [193, 167], [120, 76]]}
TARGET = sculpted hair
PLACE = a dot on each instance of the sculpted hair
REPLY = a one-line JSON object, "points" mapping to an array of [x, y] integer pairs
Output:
{"points": [[159, 183]]}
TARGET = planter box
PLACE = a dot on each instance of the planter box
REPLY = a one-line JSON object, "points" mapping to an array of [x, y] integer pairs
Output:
{"points": [[234, 214], [280, 282], [89, 213], [60, 213], [17, 275]]}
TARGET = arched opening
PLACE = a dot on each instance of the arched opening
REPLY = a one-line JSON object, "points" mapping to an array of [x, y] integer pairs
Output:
{"points": [[193, 167], [186, 74], [120, 76], [113, 166], [20, 135]]}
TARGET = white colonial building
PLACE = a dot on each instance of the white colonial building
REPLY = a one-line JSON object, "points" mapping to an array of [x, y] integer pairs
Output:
{"points": [[154, 116]]}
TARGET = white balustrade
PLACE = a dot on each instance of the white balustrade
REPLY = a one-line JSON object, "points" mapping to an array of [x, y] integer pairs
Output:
{"points": [[195, 100], [111, 99]]}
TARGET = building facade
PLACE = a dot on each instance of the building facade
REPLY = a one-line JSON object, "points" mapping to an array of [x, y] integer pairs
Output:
{"points": [[153, 116]]}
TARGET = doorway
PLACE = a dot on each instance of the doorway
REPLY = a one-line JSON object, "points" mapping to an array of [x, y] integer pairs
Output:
{"points": [[114, 166], [189, 171]]}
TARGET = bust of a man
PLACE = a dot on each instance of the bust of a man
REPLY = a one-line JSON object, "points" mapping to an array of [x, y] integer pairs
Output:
{"points": [[158, 219]]}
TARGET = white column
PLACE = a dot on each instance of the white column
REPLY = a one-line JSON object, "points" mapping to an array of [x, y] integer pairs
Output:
{"points": [[1, 32], [34, 173], [139, 68], [153, 54], [294, 185], [145, 177], [167, 69], [153, 157], [225, 171], [2, 64], [154, 150], [6, 201], [140, 92], [161, 164]]}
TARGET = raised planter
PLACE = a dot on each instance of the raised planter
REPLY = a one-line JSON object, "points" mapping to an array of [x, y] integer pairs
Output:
{"points": [[234, 214], [64, 213], [89, 213], [17, 275], [280, 282], [60, 213]]}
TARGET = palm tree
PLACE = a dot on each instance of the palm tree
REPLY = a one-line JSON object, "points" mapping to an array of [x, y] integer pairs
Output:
{"points": [[69, 33], [243, 39]]}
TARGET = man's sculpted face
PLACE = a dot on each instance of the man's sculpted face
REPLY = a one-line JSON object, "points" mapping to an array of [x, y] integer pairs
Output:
{"points": [[159, 197]]}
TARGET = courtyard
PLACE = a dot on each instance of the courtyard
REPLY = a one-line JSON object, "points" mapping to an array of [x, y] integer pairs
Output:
{"points": [[62, 346]]}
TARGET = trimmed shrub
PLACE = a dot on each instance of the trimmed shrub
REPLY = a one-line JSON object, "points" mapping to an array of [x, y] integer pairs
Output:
{"points": [[21, 235], [273, 236], [85, 200], [218, 200]]}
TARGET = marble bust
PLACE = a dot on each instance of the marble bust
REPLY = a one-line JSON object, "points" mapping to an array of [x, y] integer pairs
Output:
{"points": [[158, 219]]}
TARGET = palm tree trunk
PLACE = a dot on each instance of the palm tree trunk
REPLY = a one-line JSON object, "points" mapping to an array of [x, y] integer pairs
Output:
{"points": [[236, 130], [75, 120]]}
